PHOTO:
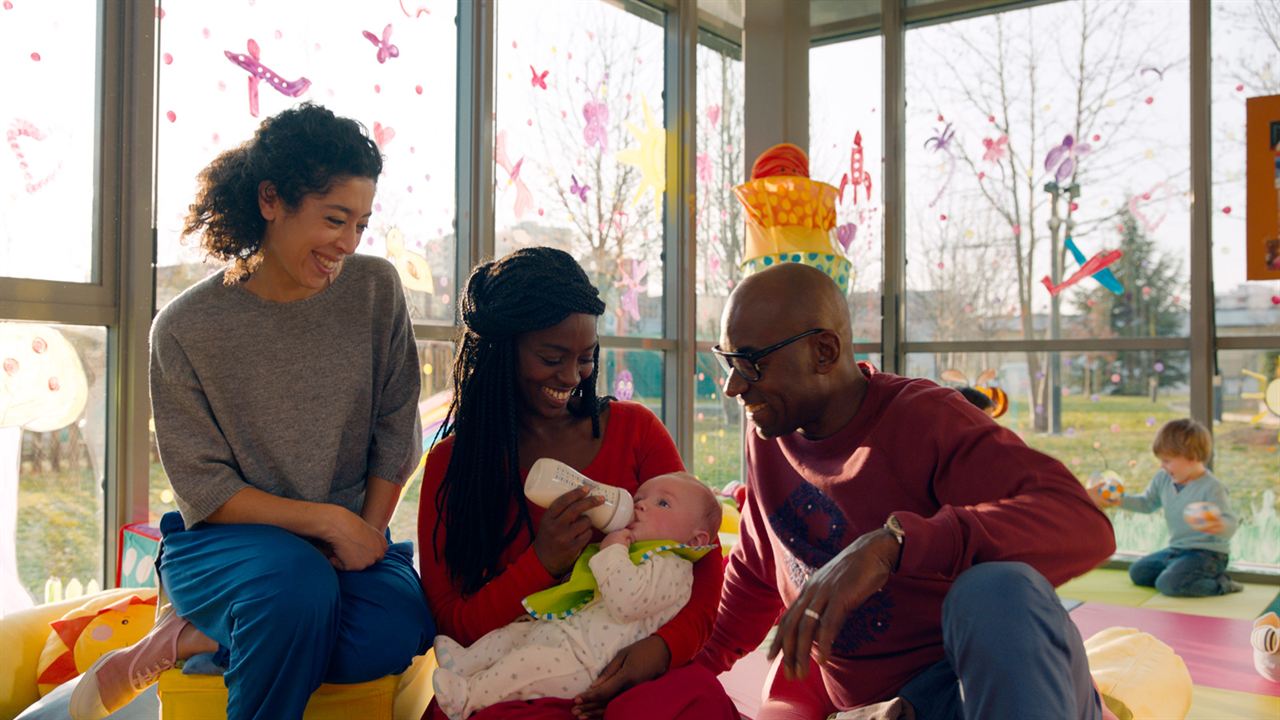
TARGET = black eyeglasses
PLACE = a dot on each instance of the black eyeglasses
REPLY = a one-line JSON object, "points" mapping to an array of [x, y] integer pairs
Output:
{"points": [[745, 362]]}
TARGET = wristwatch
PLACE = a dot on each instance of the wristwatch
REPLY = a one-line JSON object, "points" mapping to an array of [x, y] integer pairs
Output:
{"points": [[895, 528]]}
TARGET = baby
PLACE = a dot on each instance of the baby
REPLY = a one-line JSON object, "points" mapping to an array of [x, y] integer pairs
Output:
{"points": [[621, 591]]}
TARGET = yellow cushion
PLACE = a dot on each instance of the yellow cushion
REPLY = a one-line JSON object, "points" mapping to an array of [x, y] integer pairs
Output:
{"points": [[204, 697], [1137, 673], [23, 636], [414, 693], [103, 622]]}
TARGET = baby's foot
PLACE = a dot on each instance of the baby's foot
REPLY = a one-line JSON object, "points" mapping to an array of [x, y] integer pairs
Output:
{"points": [[450, 655], [451, 691], [1265, 639]]}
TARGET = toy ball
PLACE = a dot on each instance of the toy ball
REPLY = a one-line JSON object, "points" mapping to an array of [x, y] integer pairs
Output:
{"points": [[1112, 488], [1200, 514]]}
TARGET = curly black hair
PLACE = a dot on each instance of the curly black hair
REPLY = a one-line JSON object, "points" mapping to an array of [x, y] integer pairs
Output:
{"points": [[530, 289], [302, 151]]}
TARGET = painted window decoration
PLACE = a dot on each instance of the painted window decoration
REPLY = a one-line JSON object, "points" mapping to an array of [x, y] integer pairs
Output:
{"points": [[52, 461], [720, 166], [634, 375], [1245, 47], [390, 65], [580, 147], [846, 151], [49, 121], [1060, 130]]}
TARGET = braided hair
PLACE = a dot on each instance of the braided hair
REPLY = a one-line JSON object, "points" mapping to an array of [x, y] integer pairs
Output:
{"points": [[504, 298]]}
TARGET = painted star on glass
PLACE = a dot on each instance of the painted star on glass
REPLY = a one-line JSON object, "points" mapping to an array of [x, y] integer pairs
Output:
{"points": [[650, 157]]}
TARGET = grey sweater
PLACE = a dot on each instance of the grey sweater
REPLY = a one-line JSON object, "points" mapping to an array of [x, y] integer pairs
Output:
{"points": [[1164, 492], [304, 400]]}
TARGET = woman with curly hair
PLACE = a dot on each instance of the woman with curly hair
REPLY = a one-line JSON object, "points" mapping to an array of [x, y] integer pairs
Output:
{"points": [[284, 390], [524, 388]]}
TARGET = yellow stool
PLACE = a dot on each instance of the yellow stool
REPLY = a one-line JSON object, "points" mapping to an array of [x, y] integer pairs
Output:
{"points": [[204, 697]]}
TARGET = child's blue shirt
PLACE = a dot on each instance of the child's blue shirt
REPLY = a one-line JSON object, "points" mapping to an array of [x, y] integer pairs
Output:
{"points": [[1163, 492]]}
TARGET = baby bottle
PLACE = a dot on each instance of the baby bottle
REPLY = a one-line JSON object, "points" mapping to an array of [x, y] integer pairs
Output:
{"points": [[549, 479]]}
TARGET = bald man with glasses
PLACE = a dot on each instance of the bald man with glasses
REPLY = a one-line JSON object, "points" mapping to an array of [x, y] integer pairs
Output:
{"points": [[904, 543]]}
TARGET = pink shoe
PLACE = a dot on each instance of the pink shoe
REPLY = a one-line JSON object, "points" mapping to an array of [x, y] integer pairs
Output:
{"points": [[120, 675]]}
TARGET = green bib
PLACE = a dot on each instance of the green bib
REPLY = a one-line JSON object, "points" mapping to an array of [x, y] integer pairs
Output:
{"points": [[563, 600]]}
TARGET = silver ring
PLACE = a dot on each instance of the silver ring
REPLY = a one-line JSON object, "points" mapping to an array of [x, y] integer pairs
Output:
{"points": [[811, 613]]}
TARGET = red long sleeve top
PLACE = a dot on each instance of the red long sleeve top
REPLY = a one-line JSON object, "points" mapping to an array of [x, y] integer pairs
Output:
{"points": [[635, 448], [966, 491]]}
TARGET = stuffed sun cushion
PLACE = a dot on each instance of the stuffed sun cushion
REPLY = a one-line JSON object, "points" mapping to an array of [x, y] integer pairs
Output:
{"points": [[104, 622]]}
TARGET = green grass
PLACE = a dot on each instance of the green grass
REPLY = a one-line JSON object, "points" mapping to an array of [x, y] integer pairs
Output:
{"points": [[59, 529]]}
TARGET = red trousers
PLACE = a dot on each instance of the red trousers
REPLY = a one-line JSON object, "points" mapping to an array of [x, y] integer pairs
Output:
{"points": [[687, 693]]}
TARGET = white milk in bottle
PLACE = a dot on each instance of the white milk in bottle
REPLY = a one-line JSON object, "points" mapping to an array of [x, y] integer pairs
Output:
{"points": [[549, 479]]}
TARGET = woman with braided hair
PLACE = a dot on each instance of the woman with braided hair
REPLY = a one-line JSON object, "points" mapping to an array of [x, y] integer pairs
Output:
{"points": [[524, 388]]}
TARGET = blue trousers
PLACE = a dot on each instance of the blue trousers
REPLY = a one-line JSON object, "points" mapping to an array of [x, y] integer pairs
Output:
{"points": [[1011, 652], [1181, 573], [285, 619]]}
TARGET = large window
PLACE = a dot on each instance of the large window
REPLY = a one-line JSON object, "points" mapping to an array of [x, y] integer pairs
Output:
{"points": [[580, 147], [720, 166], [1246, 63], [47, 171], [846, 142], [1032, 128], [1246, 398], [52, 459], [1246, 457], [396, 80]]}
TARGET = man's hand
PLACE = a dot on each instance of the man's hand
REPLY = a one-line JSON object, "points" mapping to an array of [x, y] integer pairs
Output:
{"points": [[639, 662], [353, 543], [835, 590]]}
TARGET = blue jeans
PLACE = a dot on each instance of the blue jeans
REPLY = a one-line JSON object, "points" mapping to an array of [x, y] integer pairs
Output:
{"points": [[1181, 573], [285, 619], [1011, 652]]}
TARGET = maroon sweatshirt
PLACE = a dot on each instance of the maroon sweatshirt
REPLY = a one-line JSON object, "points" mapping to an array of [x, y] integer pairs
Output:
{"points": [[966, 491]]}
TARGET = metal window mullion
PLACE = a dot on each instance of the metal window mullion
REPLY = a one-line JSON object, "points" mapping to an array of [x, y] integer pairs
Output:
{"points": [[1247, 342], [128, 244], [623, 342], [1203, 365], [944, 11], [26, 290], [53, 312], [892, 327], [474, 151], [680, 47], [1062, 345]]}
